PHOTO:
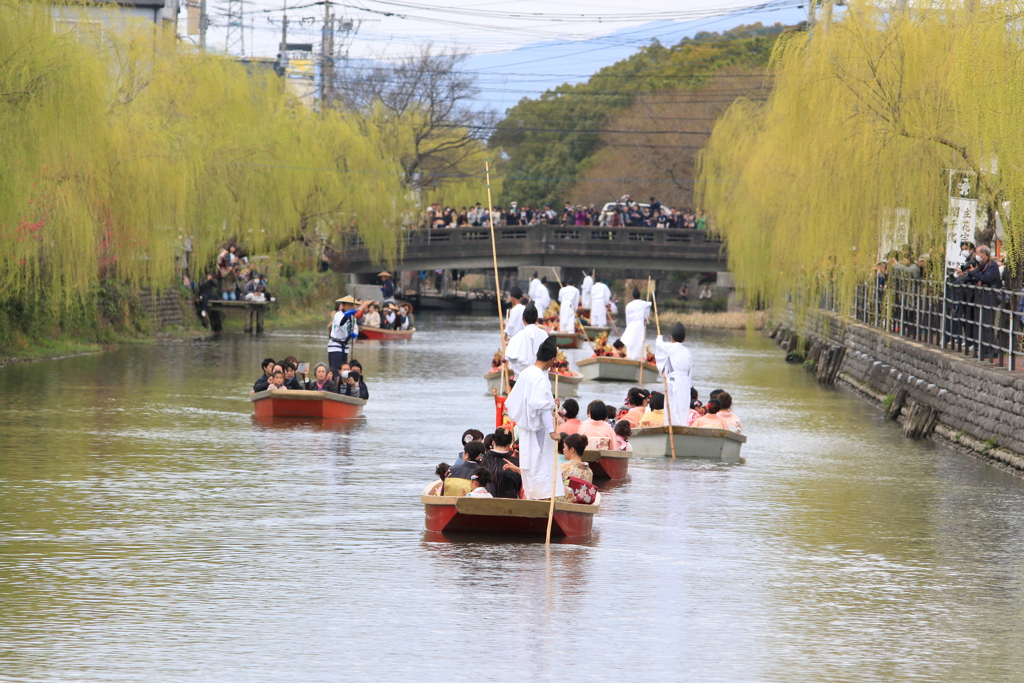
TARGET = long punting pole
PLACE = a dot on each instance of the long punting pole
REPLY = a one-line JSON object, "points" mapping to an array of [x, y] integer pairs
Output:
{"points": [[554, 480], [664, 379], [497, 282]]}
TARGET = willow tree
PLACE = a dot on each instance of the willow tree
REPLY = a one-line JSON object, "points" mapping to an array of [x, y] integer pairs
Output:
{"points": [[868, 113], [115, 145]]}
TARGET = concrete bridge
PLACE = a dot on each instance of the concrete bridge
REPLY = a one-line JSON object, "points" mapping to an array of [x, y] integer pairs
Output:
{"points": [[547, 245]]}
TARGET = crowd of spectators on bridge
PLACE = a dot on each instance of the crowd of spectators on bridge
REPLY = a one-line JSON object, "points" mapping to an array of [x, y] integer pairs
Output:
{"points": [[626, 212]]}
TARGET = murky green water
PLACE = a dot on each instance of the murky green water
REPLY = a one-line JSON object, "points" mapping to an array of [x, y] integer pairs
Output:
{"points": [[150, 530]]}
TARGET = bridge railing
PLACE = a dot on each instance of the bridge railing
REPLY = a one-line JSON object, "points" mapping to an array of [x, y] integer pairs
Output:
{"points": [[589, 239]]}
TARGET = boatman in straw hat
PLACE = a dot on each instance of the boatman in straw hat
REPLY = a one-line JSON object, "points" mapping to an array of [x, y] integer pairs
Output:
{"points": [[387, 287], [531, 406], [521, 350], [675, 362], [343, 330], [637, 313], [514, 323]]}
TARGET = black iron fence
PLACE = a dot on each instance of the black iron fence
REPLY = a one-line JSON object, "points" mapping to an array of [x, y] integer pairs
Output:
{"points": [[980, 322]]}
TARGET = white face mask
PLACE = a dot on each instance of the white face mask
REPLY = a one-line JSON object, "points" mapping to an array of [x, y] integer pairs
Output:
{"points": [[965, 253]]}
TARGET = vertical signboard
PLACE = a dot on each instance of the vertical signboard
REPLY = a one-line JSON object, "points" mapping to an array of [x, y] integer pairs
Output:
{"points": [[963, 215]]}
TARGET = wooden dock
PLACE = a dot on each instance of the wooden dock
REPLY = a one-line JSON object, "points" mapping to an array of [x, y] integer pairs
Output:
{"points": [[254, 312]]}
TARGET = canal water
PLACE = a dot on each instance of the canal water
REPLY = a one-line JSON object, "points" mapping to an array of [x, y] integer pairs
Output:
{"points": [[150, 530]]}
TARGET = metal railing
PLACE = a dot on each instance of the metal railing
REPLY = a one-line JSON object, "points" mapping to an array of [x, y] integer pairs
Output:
{"points": [[978, 322]]}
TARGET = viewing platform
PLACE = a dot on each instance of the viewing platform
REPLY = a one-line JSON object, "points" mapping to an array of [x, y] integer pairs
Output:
{"points": [[254, 312]]}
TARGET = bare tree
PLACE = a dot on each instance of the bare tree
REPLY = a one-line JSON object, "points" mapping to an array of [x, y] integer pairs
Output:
{"points": [[426, 99]]}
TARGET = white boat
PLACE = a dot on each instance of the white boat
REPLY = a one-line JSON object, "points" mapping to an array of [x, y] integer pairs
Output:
{"points": [[691, 442], [606, 369]]}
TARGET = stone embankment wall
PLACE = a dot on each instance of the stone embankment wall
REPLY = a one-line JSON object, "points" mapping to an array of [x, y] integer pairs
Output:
{"points": [[163, 309], [969, 404]]}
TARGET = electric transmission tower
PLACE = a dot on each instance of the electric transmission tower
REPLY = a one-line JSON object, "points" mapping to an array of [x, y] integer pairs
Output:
{"points": [[234, 38]]}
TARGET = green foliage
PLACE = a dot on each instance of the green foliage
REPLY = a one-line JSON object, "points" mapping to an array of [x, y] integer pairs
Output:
{"points": [[117, 143], [544, 165], [716, 304], [865, 117], [887, 401]]}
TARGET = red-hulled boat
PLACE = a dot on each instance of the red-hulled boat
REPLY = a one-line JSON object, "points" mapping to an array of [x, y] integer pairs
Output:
{"points": [[608, 464], [384, 335], [506, 515], [310, 404]]}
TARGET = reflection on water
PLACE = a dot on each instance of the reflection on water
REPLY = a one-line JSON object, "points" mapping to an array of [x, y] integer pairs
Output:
{"points": [[152, 529]]}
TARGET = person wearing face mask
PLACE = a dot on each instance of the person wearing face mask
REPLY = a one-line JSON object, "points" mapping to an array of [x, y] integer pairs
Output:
{"points": [[984, 275], [976, 303]]}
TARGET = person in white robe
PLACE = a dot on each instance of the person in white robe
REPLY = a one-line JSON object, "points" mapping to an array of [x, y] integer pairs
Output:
{"points": [[675, 362], [568, 302], [531, 291], [635, 335], [514, 321], [585, 290], [600, 297], [541, 296], [521, 350], [531, 406]]}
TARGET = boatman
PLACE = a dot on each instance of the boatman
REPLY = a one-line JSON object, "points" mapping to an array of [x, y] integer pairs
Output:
{"points": [[568, 302], [387, 287], [531, 405], [514, 322], [676, 363], [539, 294], [342, 331], [521, 350], [531, 291], [600, 296], [585, 289], [635, 334]]}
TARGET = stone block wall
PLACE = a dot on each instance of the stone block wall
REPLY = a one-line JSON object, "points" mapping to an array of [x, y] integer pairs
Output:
{"points": [[163, 309], [971, 398]]}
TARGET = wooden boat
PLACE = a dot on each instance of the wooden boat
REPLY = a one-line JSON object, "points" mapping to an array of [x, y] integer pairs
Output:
{"points": [[595, 332], [505, 515], [568, 340], [567, 386], [605, 369], [608, 464], [384, 335], [310, 404], [691, 442]]}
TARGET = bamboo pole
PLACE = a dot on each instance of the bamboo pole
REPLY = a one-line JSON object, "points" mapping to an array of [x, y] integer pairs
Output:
{"points": [[554, 479], [497, 281], [664, 379]]}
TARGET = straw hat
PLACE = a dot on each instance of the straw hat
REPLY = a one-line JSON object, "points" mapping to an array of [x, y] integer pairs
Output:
{"points": [[384, 273], [346, 300]]}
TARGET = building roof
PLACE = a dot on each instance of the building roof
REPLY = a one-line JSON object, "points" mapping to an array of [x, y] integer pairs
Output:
{"points": [[134, 3]]}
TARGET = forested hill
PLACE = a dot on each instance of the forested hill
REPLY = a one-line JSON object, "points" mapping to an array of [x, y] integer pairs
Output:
{"points": [[643, 108]]}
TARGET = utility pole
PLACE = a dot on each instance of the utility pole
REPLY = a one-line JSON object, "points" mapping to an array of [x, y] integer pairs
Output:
{"points": [[284, 30], [197, 21], [327, 63]]}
